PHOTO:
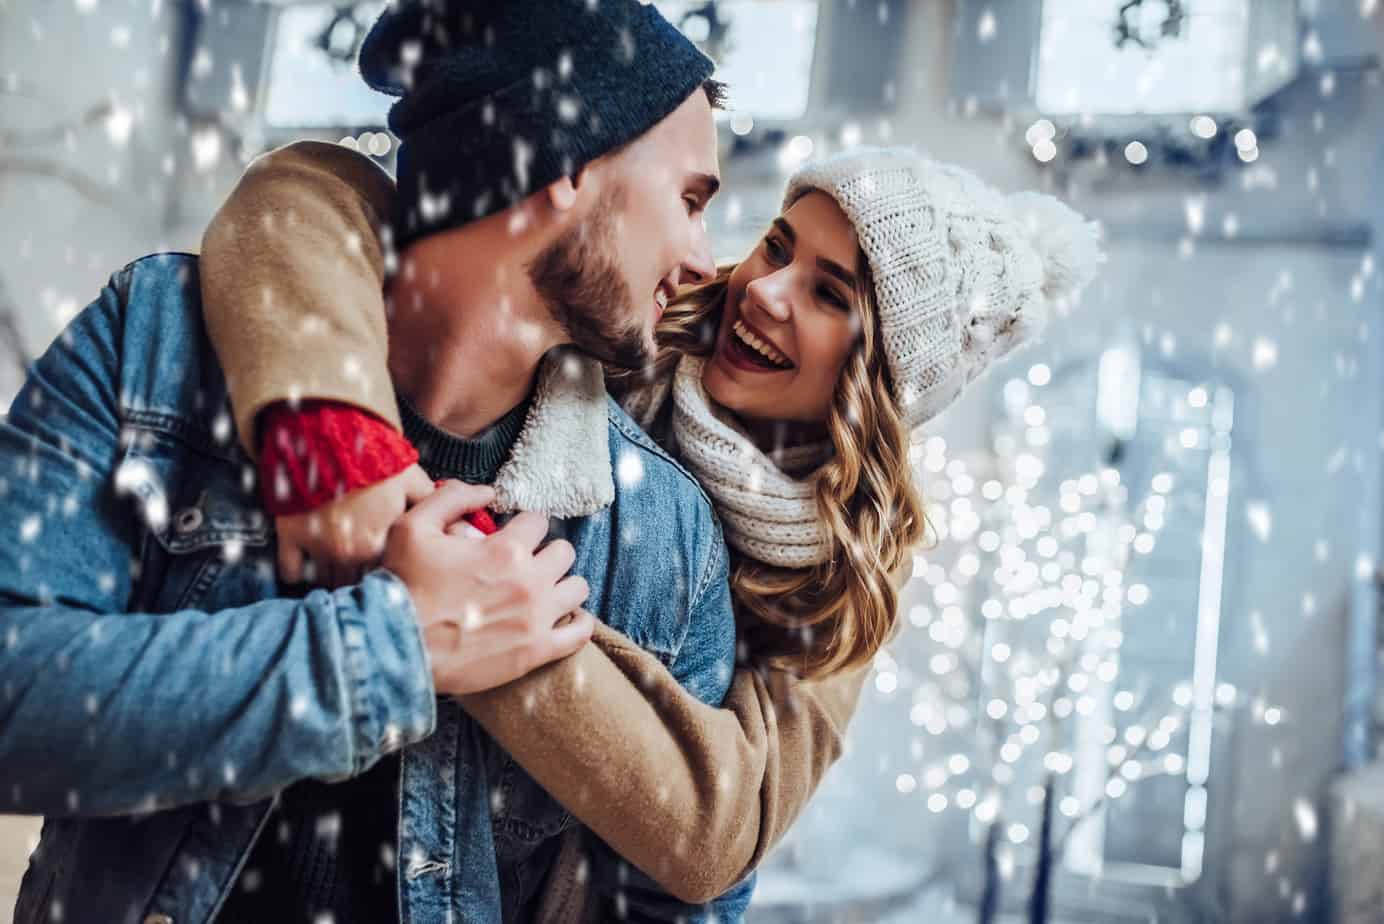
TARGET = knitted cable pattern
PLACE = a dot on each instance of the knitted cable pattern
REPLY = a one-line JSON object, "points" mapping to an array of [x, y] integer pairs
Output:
{"points": [[963, 273], [766, 514]]}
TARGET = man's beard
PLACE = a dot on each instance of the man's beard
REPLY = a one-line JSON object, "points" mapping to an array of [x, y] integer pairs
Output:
{"points": [[578, 279]]}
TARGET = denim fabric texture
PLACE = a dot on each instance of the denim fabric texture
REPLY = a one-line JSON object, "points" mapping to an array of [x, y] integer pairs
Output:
{"points": [[159, 687]]}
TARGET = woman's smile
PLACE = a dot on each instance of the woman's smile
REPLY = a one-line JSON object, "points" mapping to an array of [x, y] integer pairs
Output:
{"points": [[748, 349]]}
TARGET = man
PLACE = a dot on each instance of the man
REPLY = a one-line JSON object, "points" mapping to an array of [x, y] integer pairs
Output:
{"points": [[157, 686]]}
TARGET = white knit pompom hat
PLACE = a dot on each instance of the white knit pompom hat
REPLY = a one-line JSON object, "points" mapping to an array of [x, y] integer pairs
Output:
{"points": [[963, 273]]}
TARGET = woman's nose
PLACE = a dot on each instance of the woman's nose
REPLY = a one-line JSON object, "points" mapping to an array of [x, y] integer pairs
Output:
{"points": [[770, 294]]}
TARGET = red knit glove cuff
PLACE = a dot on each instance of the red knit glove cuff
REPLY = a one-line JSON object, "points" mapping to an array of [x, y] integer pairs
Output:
{"points": [[315, 453], [481, 519]]}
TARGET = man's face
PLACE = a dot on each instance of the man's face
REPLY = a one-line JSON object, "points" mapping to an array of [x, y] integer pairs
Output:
{"points": [[608, 279]]}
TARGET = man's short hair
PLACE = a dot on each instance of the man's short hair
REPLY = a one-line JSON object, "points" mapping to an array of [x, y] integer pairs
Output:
{"points": [[715, 91]]}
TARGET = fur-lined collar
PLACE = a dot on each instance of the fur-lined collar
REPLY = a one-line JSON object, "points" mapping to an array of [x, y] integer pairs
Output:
{"points": [[560, 465]]}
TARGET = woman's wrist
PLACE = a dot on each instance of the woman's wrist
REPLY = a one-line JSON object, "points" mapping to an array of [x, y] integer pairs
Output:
{"points": [[314, 452]]}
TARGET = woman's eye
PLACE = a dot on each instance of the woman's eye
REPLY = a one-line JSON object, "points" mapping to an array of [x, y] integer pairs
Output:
{"points": [[774, 250], [832, 298]]}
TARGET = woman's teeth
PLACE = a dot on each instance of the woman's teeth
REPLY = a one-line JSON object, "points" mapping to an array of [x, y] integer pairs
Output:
{"points": [[661, 300], [766, 350]]}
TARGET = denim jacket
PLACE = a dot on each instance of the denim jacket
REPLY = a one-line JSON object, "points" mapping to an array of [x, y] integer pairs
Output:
{"points": [[159, 688]]}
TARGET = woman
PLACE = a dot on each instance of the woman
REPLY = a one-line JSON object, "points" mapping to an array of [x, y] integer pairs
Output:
{"points": [[788, 385]]}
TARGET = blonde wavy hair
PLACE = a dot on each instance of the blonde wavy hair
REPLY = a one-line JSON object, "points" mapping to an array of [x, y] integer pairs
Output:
{"points": [[834, 616]]}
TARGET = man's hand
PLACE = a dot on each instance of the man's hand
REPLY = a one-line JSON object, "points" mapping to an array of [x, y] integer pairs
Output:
{"points": [[491, 608], [339, 542]]}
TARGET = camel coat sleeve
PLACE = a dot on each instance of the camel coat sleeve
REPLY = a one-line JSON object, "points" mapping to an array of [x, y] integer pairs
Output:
{"points": [[292, 275], [693, 795]]}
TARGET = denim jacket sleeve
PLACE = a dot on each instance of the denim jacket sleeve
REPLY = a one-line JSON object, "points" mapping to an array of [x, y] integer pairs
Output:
{"points": [[703, 665], [105, 711]]}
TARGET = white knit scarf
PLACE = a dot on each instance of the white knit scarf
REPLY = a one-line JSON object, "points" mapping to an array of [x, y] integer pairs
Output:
{"points": [[767, 514]]}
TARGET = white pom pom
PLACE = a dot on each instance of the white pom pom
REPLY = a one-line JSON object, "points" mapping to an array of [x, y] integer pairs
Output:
{"points": [[1067, 243]]}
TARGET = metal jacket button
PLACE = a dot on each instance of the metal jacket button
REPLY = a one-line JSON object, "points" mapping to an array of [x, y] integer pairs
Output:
{"points": [[188, 519]]}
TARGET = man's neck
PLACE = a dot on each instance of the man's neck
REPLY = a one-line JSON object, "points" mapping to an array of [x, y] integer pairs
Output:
{"points": [[465, 341]]}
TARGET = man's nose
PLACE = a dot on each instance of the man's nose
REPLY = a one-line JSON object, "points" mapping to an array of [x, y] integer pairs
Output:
{"points": [[698, 266]]}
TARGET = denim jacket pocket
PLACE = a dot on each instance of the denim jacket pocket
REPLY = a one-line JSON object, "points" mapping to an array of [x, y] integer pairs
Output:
{"points": [[205, 533], [526, 823], [522, 812]]}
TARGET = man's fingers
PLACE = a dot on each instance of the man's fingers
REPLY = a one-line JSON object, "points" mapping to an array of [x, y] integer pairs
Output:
{"points": [[449, 502], [525, 531], [290, 561], [417, 484], [555, 559], [571, 635], [570, 593], [514, 612]]}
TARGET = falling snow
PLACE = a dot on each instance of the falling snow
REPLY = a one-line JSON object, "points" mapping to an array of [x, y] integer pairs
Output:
{"points": [[1082, 532]]}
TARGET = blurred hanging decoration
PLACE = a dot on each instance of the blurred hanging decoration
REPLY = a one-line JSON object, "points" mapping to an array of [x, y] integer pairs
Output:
{"points": [[341, 38], [1180, 84], [271, 72], [1138, 20], [708, 26]]}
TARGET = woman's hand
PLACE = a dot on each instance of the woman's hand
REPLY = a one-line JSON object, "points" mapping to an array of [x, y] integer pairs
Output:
{"points": [[337, 543]]}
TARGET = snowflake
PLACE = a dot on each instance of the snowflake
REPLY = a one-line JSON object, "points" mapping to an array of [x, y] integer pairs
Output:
{"points": [[630, 470]]}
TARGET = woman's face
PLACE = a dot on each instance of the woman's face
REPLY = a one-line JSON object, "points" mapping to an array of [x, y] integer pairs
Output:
{"points": [[789, 320]]}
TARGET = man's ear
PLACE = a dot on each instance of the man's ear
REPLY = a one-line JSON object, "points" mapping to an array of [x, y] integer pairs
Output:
{"points": [[562, 193]]}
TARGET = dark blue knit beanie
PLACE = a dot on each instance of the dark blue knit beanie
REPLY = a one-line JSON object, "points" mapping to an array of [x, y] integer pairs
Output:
{"points": [[499, 98]]}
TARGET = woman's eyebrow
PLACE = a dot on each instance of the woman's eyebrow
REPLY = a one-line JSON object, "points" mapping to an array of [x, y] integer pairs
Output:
{"points": [[837, 270], [829, 266]]}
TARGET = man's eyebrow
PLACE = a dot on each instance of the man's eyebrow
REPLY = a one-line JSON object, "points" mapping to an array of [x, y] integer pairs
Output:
{"points": [[704, 185]]}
